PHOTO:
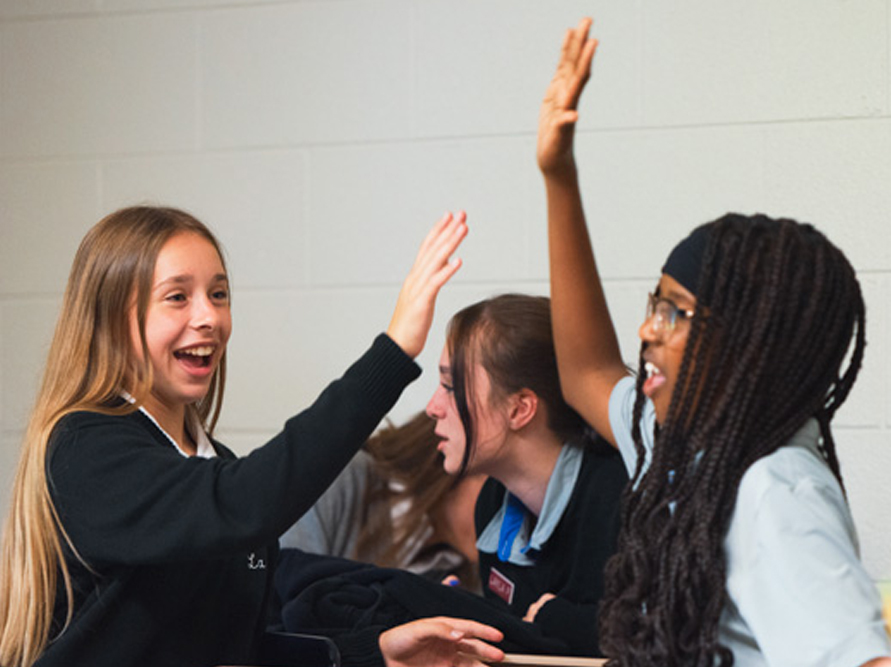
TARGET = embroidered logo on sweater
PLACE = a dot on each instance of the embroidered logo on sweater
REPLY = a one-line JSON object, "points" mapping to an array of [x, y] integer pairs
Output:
{"points": [[501, 585], [255, 563]]}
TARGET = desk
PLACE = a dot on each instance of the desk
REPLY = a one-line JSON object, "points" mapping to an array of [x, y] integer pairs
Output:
{"points": [[523, 660]]}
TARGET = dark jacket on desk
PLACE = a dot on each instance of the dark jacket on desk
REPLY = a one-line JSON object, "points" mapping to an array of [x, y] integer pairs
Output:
{"points": [[342, 599], [182, 550]]}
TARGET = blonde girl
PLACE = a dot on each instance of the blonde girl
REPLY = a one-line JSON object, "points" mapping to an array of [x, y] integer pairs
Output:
{"points": [[134, 537]]}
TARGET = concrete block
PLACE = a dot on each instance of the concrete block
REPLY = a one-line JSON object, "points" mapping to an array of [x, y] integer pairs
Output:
{"points": [[371, 206], [728, 62], [95, 86], [46, 209], [488, 75], [287, 346], [17, 9], [835, 175], [254, 202], [24, 342], [644, 191], [306, 72]]}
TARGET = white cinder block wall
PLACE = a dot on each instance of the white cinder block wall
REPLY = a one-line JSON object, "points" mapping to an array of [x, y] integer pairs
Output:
{"points": [[320, 139]]}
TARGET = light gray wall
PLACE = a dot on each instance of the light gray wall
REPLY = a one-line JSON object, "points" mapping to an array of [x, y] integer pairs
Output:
{"points": [[322, 138]]}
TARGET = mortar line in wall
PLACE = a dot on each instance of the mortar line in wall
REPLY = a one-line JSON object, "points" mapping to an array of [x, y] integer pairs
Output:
{"points": [[431, 140], [100, 12]]}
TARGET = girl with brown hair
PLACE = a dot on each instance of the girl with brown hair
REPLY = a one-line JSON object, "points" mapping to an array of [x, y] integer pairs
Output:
{"points": [[546, 520]]}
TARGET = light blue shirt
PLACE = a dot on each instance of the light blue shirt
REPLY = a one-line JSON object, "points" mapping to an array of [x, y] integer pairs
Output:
{"points": [[513, 533], [798, 593]]}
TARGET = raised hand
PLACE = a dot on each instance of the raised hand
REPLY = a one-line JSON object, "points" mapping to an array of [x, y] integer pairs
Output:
{"points": [[413, 314], [440, 642], [558, 115]]}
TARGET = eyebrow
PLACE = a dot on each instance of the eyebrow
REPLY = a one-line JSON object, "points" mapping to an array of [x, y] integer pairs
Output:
{"points": [[678, 298], [445, 370], [187, 278]]}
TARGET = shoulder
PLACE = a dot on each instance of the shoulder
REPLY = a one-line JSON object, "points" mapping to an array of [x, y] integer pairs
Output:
{"points": [[87, 434], [602, 468], [98, 425], [791, 494], [795, 470]]}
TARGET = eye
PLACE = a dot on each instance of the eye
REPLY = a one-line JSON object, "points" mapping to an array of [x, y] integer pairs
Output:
{"points": [[449, 388], [176, 297], [220, 295]]}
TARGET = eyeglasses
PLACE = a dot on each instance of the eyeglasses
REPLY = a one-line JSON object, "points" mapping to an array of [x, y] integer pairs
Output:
{"points": [[663, 314]]}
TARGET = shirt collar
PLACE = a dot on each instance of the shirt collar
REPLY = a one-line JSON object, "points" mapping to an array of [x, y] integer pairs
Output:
{"points": [[510, 533], [203, 446]]}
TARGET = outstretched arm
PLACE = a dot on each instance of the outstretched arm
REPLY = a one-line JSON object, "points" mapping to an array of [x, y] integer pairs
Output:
{"points": [[440, 642], [588, 354], [432, 268]]}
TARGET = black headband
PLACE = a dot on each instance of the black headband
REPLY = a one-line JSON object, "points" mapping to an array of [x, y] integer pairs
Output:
{"points": [[685, 261]]}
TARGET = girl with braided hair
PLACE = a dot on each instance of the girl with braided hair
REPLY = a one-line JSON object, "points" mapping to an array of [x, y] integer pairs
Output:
{"points": [[737, 546]]}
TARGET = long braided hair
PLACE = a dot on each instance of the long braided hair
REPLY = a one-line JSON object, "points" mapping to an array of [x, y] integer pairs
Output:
{"points": [[778, 313]]}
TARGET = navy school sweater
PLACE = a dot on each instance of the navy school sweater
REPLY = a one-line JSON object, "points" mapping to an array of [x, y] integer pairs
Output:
{"points": [[181, 551]]}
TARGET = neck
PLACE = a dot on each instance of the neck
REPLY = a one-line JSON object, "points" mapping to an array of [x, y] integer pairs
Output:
{"points": [[528, 469], [173, 420]]}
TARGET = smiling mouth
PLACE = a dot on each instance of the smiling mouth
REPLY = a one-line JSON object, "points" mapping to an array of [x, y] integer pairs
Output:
{"points": [[196, 357]]}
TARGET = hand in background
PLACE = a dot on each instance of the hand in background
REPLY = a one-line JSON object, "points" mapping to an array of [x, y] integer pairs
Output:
{"points": [[432, 269], [556, 124], [440, 642]]}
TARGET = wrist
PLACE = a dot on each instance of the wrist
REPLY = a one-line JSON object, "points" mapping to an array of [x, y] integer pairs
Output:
{"points": [[563, 172]]}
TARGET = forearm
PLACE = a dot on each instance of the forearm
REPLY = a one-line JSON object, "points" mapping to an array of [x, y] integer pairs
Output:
{"points": [[588, 354]]}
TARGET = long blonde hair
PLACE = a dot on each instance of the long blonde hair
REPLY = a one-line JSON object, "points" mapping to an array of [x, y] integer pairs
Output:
{"points": [[90, 363]]}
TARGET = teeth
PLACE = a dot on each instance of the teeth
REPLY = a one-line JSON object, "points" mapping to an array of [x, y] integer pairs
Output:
{"points": [[205, 351], [651, 369]]}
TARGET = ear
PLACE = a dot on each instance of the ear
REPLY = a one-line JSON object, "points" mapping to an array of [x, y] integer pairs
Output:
{"points": [[523, 406]]}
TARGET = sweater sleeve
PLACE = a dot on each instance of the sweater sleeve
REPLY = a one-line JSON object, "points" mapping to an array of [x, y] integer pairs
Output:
{"points": [[123, 499], [360, 648], [576, 624]]}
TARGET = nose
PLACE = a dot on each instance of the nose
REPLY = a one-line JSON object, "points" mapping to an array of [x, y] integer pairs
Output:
{"points": [[204, 314], [646, 332], [434, 405]]}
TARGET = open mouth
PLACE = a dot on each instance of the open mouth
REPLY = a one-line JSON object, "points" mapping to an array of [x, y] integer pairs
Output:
{"points": [[196, 357], [654, 379]]}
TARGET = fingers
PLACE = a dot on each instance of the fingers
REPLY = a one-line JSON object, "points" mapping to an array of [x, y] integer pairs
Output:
{"points": [[468, 628], [575, 39], [433, 263], [580, 54], [432, 268], [480, 650]]}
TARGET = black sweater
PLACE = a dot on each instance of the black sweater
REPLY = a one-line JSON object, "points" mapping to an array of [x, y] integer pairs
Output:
{"points": [[571, 563], [181, 550]]}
